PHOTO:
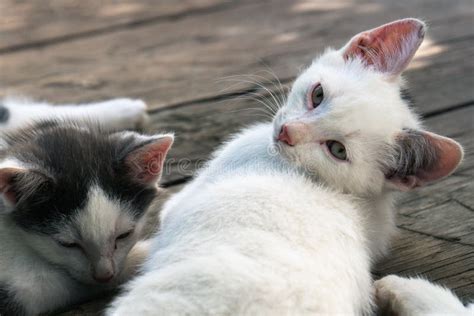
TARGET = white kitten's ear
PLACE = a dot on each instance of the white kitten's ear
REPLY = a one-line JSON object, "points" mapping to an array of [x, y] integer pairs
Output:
{"points": [[423, 157], [18, 183], [387, 48], [145, 162]]}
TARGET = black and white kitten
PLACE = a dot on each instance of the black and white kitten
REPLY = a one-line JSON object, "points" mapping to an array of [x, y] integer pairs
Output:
{"points": [[74, 198]]}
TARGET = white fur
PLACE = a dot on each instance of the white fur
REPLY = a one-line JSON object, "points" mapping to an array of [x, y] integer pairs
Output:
{"points": [[269, 229], [112, 114], [253, 234], [417, 297]]}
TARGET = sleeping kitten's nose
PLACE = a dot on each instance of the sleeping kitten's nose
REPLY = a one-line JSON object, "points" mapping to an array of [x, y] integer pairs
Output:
{"points": [[103, 278], [104, 270], [285, 136]]}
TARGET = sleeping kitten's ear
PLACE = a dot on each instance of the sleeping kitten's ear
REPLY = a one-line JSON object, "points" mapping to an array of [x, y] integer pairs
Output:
{"points": [[18, 183], [423, 157], [387, 48], [145, 162]]}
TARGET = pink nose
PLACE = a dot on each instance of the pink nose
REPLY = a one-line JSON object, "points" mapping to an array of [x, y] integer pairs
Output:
{"points": [[285, 136], [103, 278]]}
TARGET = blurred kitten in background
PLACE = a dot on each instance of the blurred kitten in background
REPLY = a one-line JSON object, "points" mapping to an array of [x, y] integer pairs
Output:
{"points": [[74, 198], [113, 114]]}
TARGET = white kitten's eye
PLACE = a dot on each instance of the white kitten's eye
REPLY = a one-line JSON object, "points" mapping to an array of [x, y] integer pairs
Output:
{"points": [[337, 149], [124, 235], [317, 95]]}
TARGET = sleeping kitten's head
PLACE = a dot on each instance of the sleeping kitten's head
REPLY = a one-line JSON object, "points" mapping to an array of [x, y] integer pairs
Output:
{"points": [[346, 123], [78, 195]]}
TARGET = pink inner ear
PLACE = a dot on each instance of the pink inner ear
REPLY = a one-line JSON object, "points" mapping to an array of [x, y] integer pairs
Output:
{"points": [[146, 163], [388, 48], [6, 176], [449, 154]]}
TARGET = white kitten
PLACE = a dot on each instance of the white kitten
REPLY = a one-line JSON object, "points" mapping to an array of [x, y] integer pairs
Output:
{"points": [[295, 231]]}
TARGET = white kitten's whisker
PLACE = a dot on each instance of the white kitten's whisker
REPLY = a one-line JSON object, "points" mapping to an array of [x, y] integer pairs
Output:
{"points": [[265, 115], [261, 99], [280, 85], [258, 98], [280, 89], [270, 112], [260, 85], [265, 110]]}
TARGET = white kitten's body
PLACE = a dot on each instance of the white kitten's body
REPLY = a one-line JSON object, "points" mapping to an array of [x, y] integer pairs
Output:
{"points": [[261, 239], [282, 223]]}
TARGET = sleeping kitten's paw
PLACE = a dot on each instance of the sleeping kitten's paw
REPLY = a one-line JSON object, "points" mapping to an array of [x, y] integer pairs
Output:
{"points": [[413, 297], [125, 113]]}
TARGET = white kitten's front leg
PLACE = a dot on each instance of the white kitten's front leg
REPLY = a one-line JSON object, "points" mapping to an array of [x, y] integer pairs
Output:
{"points": [[416, 297]]}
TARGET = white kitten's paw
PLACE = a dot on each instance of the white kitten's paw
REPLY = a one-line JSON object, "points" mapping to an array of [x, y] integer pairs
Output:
{"points": [[413, 297], [387, 293], [125, 113]]}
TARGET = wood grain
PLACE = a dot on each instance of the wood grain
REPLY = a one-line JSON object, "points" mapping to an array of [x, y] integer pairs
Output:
{"points": [[173, 62], [182, 56]]}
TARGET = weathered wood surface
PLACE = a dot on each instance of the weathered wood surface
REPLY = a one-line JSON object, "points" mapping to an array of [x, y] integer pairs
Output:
{"points": [[178, 56], [176, 61]]}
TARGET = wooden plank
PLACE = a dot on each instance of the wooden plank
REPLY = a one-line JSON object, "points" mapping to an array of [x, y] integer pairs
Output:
{"points": [[448, 221], [30, 24], [176, 62], [440, 261]]}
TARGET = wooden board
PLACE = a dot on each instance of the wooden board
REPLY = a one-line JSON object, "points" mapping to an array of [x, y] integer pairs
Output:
{"points": [[36, 24], [173, 62], [177, 56]]}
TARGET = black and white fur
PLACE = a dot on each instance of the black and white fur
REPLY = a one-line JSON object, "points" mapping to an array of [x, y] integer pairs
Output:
{"points": [[74, 198]]}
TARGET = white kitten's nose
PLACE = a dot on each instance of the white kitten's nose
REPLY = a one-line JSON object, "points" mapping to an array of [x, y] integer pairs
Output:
{"points": [[285, 136], [294, 133]]}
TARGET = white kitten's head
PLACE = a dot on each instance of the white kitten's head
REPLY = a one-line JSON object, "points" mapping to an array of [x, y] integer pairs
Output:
{"points": [[78, 195], [346, 123]]}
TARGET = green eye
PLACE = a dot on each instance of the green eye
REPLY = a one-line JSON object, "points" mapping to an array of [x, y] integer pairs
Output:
{"points": [[317, 96], [337, 149]]}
